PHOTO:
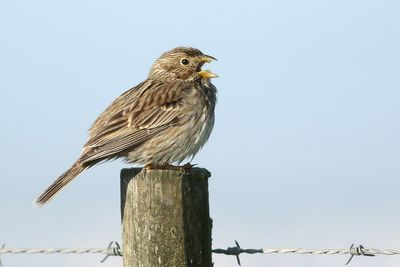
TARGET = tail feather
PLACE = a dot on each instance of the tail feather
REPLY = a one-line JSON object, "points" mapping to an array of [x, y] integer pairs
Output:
{"points": [[60, 183]]}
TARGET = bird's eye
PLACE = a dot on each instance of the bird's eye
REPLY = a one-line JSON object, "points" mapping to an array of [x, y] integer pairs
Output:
{"points": [[184, 61]]}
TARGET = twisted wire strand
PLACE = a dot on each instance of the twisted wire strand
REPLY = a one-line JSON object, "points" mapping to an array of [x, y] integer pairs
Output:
{"points": [[53, 250], [234, 251], [353, 251], [372, 251], [116, 252], [113, 249]]}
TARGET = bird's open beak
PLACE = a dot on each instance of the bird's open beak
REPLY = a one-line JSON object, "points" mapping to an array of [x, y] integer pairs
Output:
{"points": [[207, 73], [208, 59]]}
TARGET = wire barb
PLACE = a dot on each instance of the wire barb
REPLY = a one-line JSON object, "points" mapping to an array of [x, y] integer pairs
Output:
{"points": [[2, 247], [236, 251], [112, 251], [358, 251]]}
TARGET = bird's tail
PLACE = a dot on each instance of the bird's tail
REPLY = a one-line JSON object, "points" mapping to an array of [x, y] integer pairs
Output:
{"points": [[60, 183]]}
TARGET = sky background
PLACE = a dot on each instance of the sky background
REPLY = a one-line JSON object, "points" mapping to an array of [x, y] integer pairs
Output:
{"points": [[305, 151]]}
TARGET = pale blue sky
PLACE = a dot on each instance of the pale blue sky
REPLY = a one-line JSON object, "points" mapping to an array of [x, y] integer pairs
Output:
{"points": [[305, 152]]}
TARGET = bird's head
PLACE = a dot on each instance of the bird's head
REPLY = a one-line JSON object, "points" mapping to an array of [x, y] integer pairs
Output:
{"points": [[182, 63]]}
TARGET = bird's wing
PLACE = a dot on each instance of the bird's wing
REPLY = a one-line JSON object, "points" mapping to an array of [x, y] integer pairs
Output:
{"points": [[133, 118]]}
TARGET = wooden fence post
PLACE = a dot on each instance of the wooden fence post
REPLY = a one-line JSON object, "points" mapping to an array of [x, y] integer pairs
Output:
{"points": [[165, 218]]}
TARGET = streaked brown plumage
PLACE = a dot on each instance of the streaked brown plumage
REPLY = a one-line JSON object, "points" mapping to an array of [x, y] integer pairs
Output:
{"points": [[165, 119]]}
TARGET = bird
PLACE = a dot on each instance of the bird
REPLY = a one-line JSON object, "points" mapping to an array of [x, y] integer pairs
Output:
{"points": [[163, 120]]}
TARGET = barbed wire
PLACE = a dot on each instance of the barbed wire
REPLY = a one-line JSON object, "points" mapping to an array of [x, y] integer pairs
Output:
{"points": [[353, 251], [114, 249]]}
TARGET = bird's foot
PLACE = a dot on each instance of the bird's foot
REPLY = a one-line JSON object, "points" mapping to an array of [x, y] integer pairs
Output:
{"points": [[151, 166], [188, 166], [166, 166]]}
